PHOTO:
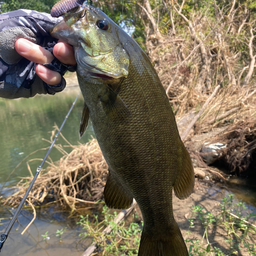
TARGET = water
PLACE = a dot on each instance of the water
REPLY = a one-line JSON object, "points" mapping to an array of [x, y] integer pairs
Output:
{"points": [[24, 124]]}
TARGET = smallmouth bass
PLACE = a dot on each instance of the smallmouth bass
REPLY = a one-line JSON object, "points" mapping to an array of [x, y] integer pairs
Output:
{"points": [[133, 123]]}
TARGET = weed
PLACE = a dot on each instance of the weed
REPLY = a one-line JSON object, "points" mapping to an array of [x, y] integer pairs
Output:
{"points": [[234, 219], [123, 239], [60, 232], [45, 236]]}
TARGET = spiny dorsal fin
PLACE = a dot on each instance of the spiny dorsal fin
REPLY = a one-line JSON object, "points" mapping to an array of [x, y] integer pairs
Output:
{"points": [[115, 196], [84, 121], [185, 180]]}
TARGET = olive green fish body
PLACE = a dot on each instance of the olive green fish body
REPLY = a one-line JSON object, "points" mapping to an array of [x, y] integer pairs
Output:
{"points": [[136, 130]]}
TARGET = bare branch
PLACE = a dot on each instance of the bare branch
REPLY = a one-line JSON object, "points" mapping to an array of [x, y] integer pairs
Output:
{"points": [[232, 8], [171, 16], [247, 15], [253, 58], [186, 132], [149, 14], [206, 60]]}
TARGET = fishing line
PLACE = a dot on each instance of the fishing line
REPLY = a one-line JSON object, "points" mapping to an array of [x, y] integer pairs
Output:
{"points": [[4, 235]]}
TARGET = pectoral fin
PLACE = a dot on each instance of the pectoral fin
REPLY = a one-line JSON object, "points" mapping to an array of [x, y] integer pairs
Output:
{"points": [[115, 196], [84, 121], [112, 103], [184, 183]]}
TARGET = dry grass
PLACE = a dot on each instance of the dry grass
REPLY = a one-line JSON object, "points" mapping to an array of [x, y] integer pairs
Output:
{"points": [[233, 102], [231, 105], [77, 178]]}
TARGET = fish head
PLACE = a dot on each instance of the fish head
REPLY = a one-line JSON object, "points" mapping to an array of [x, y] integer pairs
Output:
{"points": [[98, 50]]}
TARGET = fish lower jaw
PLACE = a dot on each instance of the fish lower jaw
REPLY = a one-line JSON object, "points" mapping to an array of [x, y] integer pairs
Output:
{"points": [[104, 77]]}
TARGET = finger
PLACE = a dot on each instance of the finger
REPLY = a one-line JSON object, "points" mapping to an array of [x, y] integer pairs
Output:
{"points": [[48, 76], [33, 52], [64, 53]]}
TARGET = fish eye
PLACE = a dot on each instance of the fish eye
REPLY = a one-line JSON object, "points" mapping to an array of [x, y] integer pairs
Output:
{"points": [[102, 24]]}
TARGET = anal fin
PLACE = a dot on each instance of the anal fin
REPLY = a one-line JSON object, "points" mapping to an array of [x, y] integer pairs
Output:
{"points": [[115, 196], [185, 180]]}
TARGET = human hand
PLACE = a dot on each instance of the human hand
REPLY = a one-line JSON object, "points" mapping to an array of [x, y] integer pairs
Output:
{"points": [[27, 71], [37, 54]]}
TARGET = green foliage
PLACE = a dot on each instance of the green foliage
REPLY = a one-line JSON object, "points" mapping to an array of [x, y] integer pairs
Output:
{"points": [[38, 5], [122, 240], [59, 233], [45, 236], [234, 218]]}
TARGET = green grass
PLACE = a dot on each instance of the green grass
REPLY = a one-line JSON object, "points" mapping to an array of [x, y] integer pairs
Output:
{"points": [[232, 222], [225, 232], [123, 239]]}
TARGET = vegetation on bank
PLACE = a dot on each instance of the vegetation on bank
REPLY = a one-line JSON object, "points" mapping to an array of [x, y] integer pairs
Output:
{"points": [[39, 5], [226, 230], [232, 223], [195, 46], [77, 181]]}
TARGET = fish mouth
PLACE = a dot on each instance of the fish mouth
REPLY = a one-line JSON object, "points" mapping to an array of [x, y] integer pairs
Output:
{"points": [[97, 74], [101, 76], [97, 66]]}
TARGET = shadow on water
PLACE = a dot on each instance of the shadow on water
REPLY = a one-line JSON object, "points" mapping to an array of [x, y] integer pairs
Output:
{"points": [[25, 123]]}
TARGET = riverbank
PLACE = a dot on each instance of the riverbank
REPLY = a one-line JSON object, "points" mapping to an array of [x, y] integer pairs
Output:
{"points": [[206, 201], [76, 183]]}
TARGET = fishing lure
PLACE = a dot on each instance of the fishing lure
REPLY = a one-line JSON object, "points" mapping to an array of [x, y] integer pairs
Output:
{"points": [[64, 6]]}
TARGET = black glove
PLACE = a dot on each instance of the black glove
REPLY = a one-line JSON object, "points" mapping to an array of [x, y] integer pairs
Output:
{"points": [[17, 74]]}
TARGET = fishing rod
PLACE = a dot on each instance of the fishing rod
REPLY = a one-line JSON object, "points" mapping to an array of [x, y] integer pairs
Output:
{"points": [[4, 235]]}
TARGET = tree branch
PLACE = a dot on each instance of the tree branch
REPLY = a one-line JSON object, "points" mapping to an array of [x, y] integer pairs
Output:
{"points": [[186, 132], [252, 63]]}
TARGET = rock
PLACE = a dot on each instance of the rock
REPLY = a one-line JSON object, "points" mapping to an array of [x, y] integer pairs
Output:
{"points": [[199, 173], [211, 152]]}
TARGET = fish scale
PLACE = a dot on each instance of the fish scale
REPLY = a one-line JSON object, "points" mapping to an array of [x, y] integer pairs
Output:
{"points": [[135, 128]]}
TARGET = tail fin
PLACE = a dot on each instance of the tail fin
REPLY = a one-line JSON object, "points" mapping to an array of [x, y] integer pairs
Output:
{"points": [[171, 244]]}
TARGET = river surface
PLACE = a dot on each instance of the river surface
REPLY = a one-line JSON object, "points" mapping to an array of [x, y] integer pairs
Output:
{"points": [[25, 125]]}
